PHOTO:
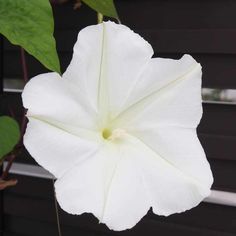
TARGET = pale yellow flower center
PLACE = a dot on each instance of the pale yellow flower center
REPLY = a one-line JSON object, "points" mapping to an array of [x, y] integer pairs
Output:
{"points": [[113, 134]]}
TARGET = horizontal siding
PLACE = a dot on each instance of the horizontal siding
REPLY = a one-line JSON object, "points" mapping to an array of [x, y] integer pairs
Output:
{"points": [[200, 41], [171, 14], [27, 227], [204, 29], [36, 204], [169, 26], [219, 70]]}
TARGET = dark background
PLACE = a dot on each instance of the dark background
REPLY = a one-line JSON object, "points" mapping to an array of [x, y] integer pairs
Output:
{"points": [[206, 30]]}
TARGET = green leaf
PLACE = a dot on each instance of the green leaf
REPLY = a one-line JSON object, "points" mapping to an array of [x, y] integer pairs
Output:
{"points": [[105, 7], [30, 24], [9, 134]]}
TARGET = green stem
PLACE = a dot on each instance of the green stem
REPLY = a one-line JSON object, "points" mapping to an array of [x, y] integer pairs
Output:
{"points": [[100, 18], [56, 209]]}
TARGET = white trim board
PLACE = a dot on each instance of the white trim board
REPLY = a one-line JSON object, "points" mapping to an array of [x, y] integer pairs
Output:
{"points": [[210, 95], [216, 197]]}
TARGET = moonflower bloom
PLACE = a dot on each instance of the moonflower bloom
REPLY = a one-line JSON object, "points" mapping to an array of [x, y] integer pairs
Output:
{"points": [[118, 129]]}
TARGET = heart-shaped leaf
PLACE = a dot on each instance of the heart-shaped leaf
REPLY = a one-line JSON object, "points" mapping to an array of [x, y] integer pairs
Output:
{"points": [[9, 135], [30, 24]]}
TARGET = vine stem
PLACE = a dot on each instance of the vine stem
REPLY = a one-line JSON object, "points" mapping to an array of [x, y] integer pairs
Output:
{"points": [[56, 209], [24, 65], [100, 17], [8, 167], [23, 121]]}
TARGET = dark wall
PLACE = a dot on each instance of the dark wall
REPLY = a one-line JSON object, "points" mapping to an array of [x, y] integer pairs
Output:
{"points": [[206, 30]]}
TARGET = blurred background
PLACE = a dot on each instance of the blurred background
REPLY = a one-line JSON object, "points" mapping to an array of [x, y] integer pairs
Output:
{"points": [[204, 29]]}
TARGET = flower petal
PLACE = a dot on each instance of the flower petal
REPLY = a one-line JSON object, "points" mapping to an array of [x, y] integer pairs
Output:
{"points": [[82, 188], [56, 149], [176, 172], [52, 98], [106, 63], [110, 185], [169, 95], [127, 199], [181, 148]]}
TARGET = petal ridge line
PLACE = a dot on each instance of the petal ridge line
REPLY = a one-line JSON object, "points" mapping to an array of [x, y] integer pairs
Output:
{"points": [[102, 94], [185, 175], [149, 97], [90, 155], [108, 188], [83, 130]]}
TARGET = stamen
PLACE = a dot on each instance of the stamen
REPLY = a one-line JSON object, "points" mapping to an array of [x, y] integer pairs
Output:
{"points": [[113, 134]]}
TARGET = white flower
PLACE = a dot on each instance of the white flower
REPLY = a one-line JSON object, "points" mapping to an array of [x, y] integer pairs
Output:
{"points": [[118, 131]]}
